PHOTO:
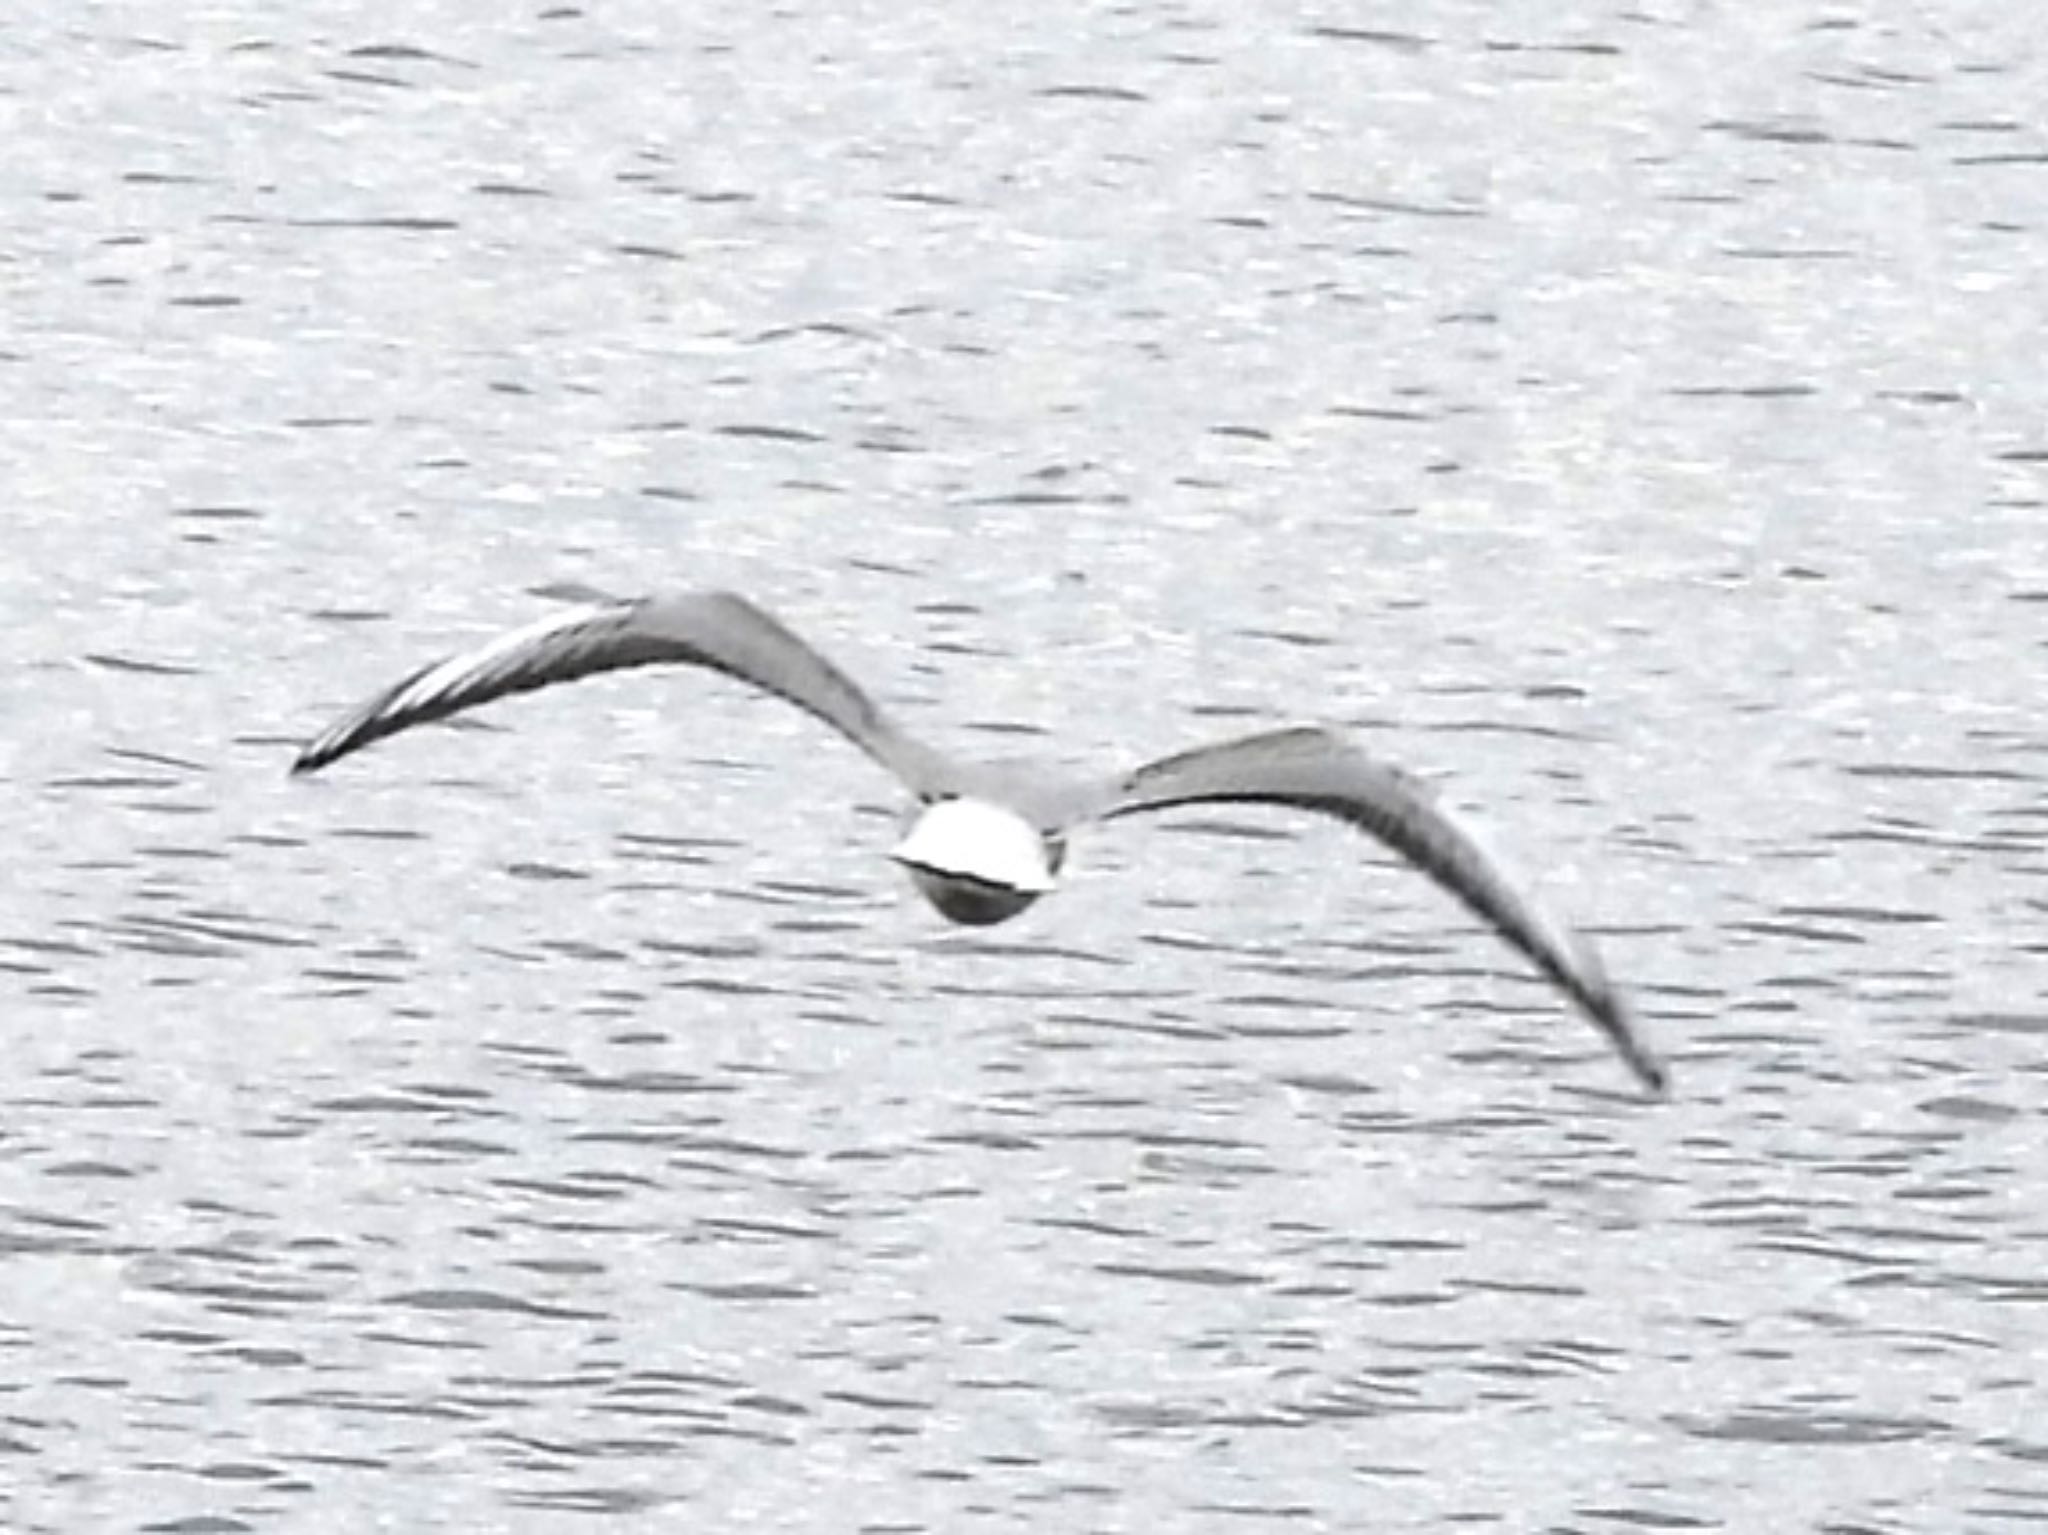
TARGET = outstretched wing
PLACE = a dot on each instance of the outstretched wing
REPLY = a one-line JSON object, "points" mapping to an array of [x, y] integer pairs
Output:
{"points": [[718, 630], [1316, 770]]}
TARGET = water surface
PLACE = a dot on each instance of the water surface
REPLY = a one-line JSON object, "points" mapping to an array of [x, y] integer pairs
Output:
{"points": [[1630, 419]]}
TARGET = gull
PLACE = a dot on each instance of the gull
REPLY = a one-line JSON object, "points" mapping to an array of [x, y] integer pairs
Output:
{"points": [[987, 840]]}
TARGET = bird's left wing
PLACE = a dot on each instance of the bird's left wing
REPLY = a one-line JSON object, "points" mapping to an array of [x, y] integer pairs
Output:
{"points": [[1312, 769]]}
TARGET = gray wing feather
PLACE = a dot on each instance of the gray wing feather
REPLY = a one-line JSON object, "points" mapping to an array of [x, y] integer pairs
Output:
{"points": [[717, 630], [1315, 770]]}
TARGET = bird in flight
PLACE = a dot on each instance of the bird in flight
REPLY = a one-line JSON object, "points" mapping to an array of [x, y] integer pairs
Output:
{"points": [[987, 840]]}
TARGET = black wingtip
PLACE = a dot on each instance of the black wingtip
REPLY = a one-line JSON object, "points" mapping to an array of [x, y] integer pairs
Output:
{"points": [[1625, 1034], [1656, 1079]]}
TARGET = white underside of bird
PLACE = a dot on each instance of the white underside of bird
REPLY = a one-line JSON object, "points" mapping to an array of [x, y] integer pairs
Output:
{"points": [[974, 839]]}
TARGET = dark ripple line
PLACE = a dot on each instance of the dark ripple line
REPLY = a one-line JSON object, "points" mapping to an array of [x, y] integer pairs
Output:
{"points": [[1790, 1426], [488, 1301], [1202, 1275]]}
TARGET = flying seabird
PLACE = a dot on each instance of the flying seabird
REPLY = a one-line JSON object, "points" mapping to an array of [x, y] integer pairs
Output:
{"points": [[986, 841]]}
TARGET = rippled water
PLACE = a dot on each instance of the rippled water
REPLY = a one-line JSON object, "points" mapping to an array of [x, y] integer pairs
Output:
{"points": [[1632, 419]]}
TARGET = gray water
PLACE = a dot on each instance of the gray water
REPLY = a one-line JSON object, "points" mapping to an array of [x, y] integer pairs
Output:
{"points": [[1632, 419]]}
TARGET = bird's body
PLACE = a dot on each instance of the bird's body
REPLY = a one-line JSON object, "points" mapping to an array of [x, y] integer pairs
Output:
{"points": [[988, 841], [979, 862]]}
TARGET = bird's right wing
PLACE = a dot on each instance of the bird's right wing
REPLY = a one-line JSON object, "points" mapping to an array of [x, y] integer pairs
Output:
{"points": [[1313, 769], [717, 630]]}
